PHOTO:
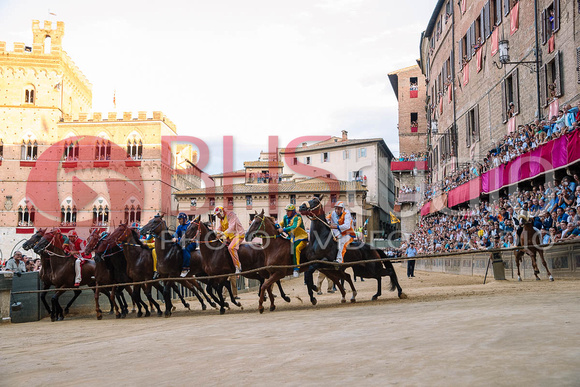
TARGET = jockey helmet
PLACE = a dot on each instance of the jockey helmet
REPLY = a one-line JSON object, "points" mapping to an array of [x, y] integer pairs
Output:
{"points": [[182, 215], [72, 233], [339, 204], [218, 210], [290, 207], [134, 225]]}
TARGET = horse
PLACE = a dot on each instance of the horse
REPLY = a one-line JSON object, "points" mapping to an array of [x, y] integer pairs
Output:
{"points": [[45, 271], [111, 269], [216, 260], [170, 263], [62, 273], [256, 261], [278, 252], [530, 243], [323, 247]]}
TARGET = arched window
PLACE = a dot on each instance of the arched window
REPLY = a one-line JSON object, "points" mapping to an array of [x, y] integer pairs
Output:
{"points": [[26, 215], [29, 95], [68, 216], [134, 147], [71, 150], [47, 44], [100, 215], [29, 150], [103, 149], [133, 214]]}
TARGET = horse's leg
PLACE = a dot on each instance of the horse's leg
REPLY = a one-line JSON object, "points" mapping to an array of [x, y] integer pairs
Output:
{"points": [[136, 296], [378, 294], [77, 294], [518, 255], [195, 283], [176, 290], [159, 288], [219, 288], [130, 292], [284, 296], [167, 297], [56, 308], [390, 271], [211, 291], [267, 286], [43, 297], [112, 300], [152, 302], [541, 252], [336, 277], [122, 303], [228, 286], [532, 254], [310, 287], [108, 294], [191, 287]]}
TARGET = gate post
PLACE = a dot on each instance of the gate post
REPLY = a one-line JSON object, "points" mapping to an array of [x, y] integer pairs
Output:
{"points": [[5, 289]]}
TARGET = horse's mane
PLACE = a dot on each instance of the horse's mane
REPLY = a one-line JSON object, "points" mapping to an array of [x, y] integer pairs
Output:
{"points": [[137, 238]]}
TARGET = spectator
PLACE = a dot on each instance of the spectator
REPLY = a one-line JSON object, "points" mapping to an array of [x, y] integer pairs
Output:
{"points": [[16, 263], [411, 252]]}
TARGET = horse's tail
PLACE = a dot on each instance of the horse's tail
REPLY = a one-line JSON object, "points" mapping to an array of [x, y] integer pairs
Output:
{"points": [[389, 269]]}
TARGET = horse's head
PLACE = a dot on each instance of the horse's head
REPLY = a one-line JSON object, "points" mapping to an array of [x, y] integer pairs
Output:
{"points": [[30, 243], [53, 237], [111, 240], [155, 226], [193, 229], [312, 207], [92, 241], [262, 225]]}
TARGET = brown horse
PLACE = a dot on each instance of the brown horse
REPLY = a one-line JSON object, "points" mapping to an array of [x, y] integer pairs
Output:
{"points": [[110, 268], [216, 260], [62, 273], [196, 267], [170, 263], [46, 271], [530, 241], [277, 251]]}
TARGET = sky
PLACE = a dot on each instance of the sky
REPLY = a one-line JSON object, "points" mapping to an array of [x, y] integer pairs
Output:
{"points": [[243, 68]]}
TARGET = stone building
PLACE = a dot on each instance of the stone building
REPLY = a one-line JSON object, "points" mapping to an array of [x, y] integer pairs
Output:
{"points": [[61, 165], [409, 170], [469, 89]]}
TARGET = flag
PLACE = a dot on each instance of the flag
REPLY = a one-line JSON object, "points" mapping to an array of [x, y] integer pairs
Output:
{"points": [[394, 219], [478, 55], [463, 6], [551, 45], [449, 93], [494, 41], [514, 18], [466, 74], [367, 221]]}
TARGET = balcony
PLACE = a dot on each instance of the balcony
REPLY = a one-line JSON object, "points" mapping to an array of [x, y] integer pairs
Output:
{"points": [[401, 166], [409, 197]]}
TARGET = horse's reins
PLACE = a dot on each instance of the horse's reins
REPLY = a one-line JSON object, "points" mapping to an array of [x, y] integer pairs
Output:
{"points": [[263, 218], [310, 215]]}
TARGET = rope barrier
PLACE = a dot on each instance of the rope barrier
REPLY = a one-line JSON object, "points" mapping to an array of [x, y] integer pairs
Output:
{"points": [[336, 264]]}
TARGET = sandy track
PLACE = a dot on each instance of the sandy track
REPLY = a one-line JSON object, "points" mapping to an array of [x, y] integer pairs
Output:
{"points": [[451, 331]]}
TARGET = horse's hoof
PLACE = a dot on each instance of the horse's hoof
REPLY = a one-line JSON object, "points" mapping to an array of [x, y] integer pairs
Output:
{"points": [[111, 311], [66, 311], [226, 305], [52, 319], [147, 314], [159, 313], [520, 279], [402, 296], [133, 310], [342, 301], [538, 279], [168, 313], [222, 311], [286, 298], [272, 308], [313, 300], [551, 278], [118, 316], [140, 314], [203, 307], [261, 309], [173, 308], [99, 317], [374, 298], [60, 318], [123, 315], [213, 305], [353, 300], [187, 306]]}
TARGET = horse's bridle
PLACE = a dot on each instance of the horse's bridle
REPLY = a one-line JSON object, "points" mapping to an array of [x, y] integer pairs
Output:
{"points": [[263, 223]]}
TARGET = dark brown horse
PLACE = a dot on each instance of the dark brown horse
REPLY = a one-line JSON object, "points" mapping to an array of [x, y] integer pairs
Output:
{"points": [[530, 240], [324, 247], [46, 271], [62, 273], [111, 268], [170, 263], [277, 251]]}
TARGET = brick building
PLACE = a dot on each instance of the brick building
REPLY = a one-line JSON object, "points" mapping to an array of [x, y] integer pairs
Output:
{"points": [[469, 90], [63, 166], [409, 170]]}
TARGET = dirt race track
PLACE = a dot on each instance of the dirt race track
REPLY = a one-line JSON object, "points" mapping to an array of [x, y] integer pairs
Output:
{"points": [[451, 331]]}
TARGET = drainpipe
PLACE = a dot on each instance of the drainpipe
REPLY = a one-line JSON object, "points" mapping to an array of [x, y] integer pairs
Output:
{"points": [[537, 60]]}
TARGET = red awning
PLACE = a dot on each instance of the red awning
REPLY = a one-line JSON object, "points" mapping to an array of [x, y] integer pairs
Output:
{"points": [[426, 209], [408, 165], [464, 192]]}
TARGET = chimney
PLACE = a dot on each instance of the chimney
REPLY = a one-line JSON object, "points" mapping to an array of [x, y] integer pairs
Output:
{"points": [[344, 135]]}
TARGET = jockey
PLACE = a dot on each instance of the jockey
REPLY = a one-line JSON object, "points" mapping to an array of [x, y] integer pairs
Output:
{"points": [[76, 247], [149, 241], [179, 232], [294, 225], [341, 226], [231, 227]]}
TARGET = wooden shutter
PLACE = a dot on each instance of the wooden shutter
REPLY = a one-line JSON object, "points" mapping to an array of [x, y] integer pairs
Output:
{"points": [[516, 91], [503, 101], [472, 50], [482, 24], [467, 130], [506, 7], [460, 53], [497, 12], [578, 64], [544, 27], [556, 15], [543, 86], [476, 119], [558, 77], [487, 20], [468, 44]]}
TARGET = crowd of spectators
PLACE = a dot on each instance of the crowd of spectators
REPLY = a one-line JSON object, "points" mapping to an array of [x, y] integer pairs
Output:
{"points": [[415, 156], [553, 209], [20, 263]]}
